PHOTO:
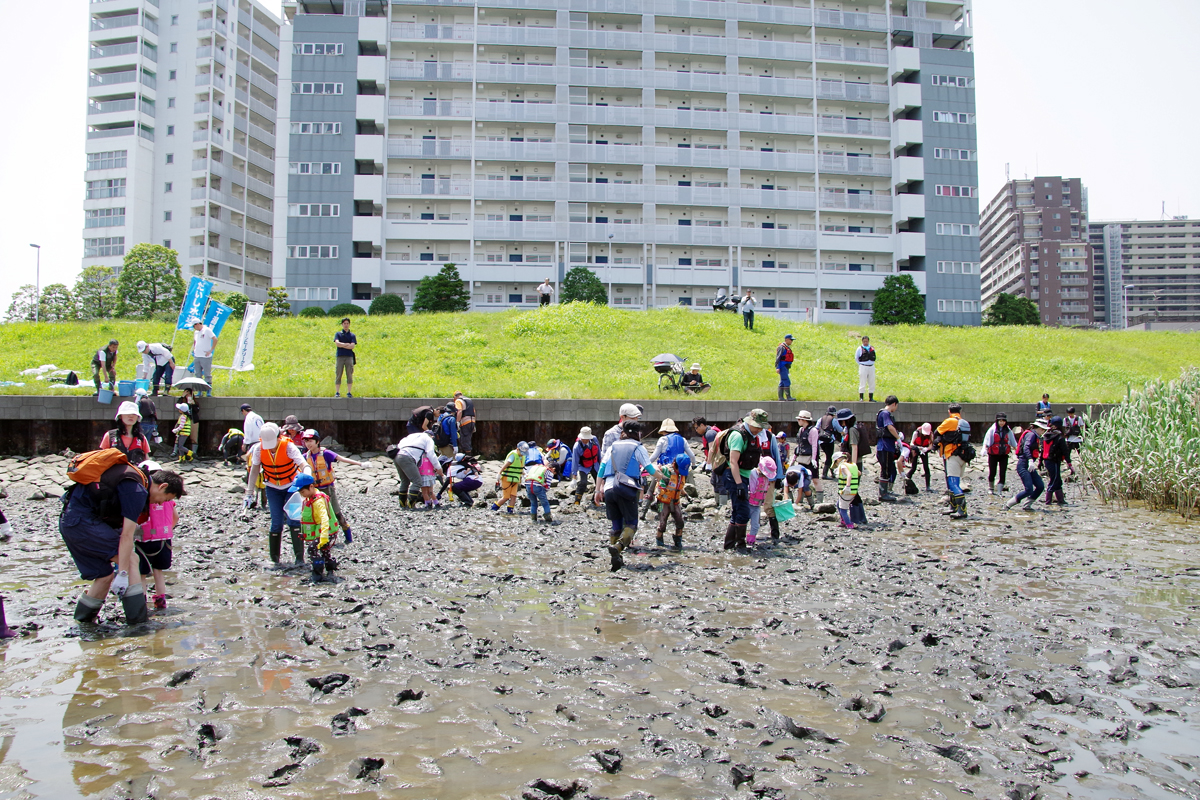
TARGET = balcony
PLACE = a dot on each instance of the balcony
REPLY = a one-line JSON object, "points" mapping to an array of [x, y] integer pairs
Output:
{"points": [[827, 18], [855, 165], [910, 206], [907, 169], [856, 202], [444, 187], [519, 190], [909, 132], [112, 106], [861, 55], [402, 31], [905, 59], [113, 23], [429, 148], [114, 50], [798, 199], [880, 243], [526, 35], [430, 108], [112, 78], [106, 133], [854, 127], [210, 79], [544, 151], [851, 91], [519, 112], [905, 96], [430, 71]]}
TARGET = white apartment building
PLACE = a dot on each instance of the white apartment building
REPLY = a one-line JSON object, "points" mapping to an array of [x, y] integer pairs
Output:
{"points": [[1147, 273], [675, 148], [182, 108]]}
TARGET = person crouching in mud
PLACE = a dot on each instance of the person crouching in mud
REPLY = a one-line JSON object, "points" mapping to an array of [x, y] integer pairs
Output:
{"points": [[617, 485]]}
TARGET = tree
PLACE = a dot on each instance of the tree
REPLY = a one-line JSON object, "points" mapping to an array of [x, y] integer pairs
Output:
{"points": [[150, 282], [387, 304], [898, 302], [346, 310], [442, 292], [312, 311], [96, 292], [277, 303], [24, 302], [235, 300], [58, 305], [1009, 309], [581, 284]]}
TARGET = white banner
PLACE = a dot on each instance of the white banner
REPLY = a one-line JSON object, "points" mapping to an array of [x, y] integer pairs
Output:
{"points": [[243, 357]]}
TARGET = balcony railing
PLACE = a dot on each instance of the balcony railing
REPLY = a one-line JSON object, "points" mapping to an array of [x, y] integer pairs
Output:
{"points": [[110, 106], [112, 78], [108, 51], [430, 186], [854, 127], [430, 108], [848, 90], [410, 30], [109, 23], [855, 165], [105, 133], [149, 80], [848, 19], [865, 55], [864, 202], [428, 148], [430, 71]]}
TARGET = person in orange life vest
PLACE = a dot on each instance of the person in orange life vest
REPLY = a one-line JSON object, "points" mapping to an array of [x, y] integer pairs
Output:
{"points": [[152, 541], [321, 462], [280, 462], [920, 444], [783, 365], [999, 441], [128, 437], [585, 456]]}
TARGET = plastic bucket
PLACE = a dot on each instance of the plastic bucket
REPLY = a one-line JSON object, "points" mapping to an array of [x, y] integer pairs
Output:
{"points": [[141, 385], [784, 510], [125, 388], [140, 372], [104, 396], [293, 507]]}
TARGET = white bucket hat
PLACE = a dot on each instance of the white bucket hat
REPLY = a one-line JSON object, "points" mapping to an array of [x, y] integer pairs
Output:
{"points": [[586, 433], [128, 408]]}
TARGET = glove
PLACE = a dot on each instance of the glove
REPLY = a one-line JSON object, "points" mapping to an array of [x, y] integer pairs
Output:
{"points": [[120, 584], [740, 491], [323, 541], [248, 500]]}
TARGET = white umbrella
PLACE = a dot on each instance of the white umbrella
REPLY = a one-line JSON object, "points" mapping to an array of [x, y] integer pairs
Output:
{"points": [[193, 383]]}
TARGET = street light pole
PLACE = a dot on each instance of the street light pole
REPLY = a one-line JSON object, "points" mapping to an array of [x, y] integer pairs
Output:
{"points": [[1125, 306], [37, 288]]}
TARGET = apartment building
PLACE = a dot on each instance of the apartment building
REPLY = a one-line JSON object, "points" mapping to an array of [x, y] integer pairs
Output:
{"points": [[674, 147], [1035, 244], [182, 107], [1146, 273]]}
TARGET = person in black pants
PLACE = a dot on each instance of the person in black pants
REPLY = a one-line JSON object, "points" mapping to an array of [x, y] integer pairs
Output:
{"points": [[1055, 452], [920, 445], [827, 439]]}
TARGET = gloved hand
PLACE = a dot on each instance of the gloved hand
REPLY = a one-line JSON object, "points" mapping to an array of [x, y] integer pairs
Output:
{"points": [[741, 491], [120, 584], [248, 500]]}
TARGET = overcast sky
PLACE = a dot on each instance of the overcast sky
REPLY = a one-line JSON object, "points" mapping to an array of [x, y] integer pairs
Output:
{"points": [[1102, 90]]}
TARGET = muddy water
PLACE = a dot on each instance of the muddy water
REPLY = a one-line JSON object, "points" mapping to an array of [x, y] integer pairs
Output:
{"points": [[1051, 653]]}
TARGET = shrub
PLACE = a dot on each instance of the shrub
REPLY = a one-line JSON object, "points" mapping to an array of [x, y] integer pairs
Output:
{"points": [[312, 311], [582, 285], [277, 303], [442, 292], [345, 310], [387, 304], [898, 302], [1009, 309], [150, 282]]}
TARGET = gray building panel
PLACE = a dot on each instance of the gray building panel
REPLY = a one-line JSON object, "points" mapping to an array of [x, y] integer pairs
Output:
{"points": [[949, 286], [336, 148]]}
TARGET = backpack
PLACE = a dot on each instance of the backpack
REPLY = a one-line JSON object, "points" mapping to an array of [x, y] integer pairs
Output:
{"points": [[718, 452], [72, 379], [102, 471], [87, 468], [825, 430], [441, 437]]}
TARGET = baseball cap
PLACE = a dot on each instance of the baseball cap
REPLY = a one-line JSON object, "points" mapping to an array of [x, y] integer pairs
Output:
{"points": [[630, 410], [311, 433], [301, 481], [789, 336], [182, 408], [247, 407], [758, 418], [269, 435]]}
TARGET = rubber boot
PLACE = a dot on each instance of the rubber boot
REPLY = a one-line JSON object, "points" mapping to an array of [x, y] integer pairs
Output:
{"points": [[751, 540], [1028, 505], [414, 499], [1012, 503], [492, 507], [274, 542], [349, 537], [730, 537], [787, 393], [927, 485], [860, 397], [134, 604], [627, 535], [551, 521], [740, 538], [871, 397], [958, 505], [87, 608], [533, 517], [780, 393], [318, 569], [578, 499], [658, 540], [677, 540], [844, 519], [297, 545], [774, 527]]}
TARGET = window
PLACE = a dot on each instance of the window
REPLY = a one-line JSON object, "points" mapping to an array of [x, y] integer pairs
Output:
{"points": [[957, 229], [170, 102], [315, 168], [943, 190], [170, 158], [516, 298], [104, 218], [98, 248], [168, 186], [958, 306], [98, 190], [171, 75], [313, 293], [312, 251], [316, 128], [768, 302], [958, 267], [311, 49], [167, 216], [109, 159], [170, 130], [956, 117], [167, 243], [174, 47], [314, 210], [316, 88], [959, 81], [174, 19], [955, 154], [860, 305], [685, 301]]}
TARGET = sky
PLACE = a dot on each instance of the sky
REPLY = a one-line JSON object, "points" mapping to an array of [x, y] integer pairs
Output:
{"points": [[1101, 90]]}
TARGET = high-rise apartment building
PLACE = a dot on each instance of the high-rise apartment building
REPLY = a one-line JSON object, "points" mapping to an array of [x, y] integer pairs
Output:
{"points": [[182, 107], [674, 147], [1034, 238], [1154, 266]]}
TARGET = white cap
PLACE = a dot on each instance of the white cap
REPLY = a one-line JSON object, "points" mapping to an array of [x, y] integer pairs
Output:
{"points": [[585, 433], [141, 347], [141, 393], [269, 435], [128, 408], [630, 410], [183, 408]]}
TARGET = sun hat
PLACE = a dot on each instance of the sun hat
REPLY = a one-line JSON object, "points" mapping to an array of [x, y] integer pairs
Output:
{"points": [[290, 422], [302, 480], [149, 466], [522, 447], [839, 456], [831, 410], [1040, 424], [767, 465], [845, 414], [183, 408], [585, 433], [668, 426], [696, 365], [758, 418], [269, 435], [926, 429], [804, 416], [630, 410], [311, 433], [141, 392], [127, 407]]}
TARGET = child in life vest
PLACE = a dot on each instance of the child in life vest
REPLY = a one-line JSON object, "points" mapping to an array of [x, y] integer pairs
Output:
{"points": [[322, 462], [318, 526], [509, 483], [153, 542], [760, 482], [847, 482], [671, 482], [536, 477], [429, 475], [183, 432]]}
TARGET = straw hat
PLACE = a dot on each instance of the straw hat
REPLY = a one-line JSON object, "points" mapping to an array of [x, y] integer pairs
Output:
{"points": [[668, 426], [804, 416]]}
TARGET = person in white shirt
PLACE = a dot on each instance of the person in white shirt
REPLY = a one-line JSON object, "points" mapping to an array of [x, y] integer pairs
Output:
{"points": [[159, 362], [544, 293], [410, 452], [204, 344], [747, 308], [251, 427], [865, 357]]}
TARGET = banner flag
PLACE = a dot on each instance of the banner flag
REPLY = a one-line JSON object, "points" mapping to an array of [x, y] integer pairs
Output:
{"points": [[243, 358], [194, 302]]}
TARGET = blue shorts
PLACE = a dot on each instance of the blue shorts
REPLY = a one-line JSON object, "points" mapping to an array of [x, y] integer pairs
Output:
{"points": [[92, 544]]}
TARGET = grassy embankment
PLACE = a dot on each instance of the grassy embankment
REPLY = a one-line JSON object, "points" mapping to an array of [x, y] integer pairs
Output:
{"points": [[580, 351]]}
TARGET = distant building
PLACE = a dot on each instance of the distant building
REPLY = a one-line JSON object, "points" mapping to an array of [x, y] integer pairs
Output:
{"points": [[1155, 264], [1034, 243]]}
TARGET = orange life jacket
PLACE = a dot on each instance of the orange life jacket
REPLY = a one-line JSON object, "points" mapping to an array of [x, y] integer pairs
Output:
{"points": [[322, 469], [277, 467]]}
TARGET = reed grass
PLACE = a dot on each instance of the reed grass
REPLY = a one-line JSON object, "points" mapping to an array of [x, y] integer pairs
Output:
{"points": [[1148, 447]]}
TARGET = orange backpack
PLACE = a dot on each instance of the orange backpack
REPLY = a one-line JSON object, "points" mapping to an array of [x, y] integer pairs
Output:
{"points": [[86, 468]]}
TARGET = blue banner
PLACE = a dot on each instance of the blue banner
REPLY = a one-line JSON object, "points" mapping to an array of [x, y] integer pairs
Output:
{"points": [[216, 315], [194, 302]]}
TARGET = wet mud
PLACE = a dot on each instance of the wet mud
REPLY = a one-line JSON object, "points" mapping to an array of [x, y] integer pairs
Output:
{"points": [[463, 654]]}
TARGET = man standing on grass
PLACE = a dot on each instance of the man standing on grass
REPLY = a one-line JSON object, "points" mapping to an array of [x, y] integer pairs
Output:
{"points": [[544, 293], [204, 344], [345, 341], [783, 365], [746, 306], [865, 356]]}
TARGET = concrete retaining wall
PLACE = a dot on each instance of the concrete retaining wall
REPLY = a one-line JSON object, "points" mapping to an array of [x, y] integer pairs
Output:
{"points": [[37, 425]]}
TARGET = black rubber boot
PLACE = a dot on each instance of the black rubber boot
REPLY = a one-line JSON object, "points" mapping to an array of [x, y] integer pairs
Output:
{"points": [[780, 393], [87, 608], [658, 540], [740, 538], [730, 537], [871, 397], [297, 545], [677, 540], [774, 527], [860, 396], [274, 541], [616, 561], [135, 607]]}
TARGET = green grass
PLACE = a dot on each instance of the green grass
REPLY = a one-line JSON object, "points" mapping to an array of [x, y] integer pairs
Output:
{"points": [[582, 351]]}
